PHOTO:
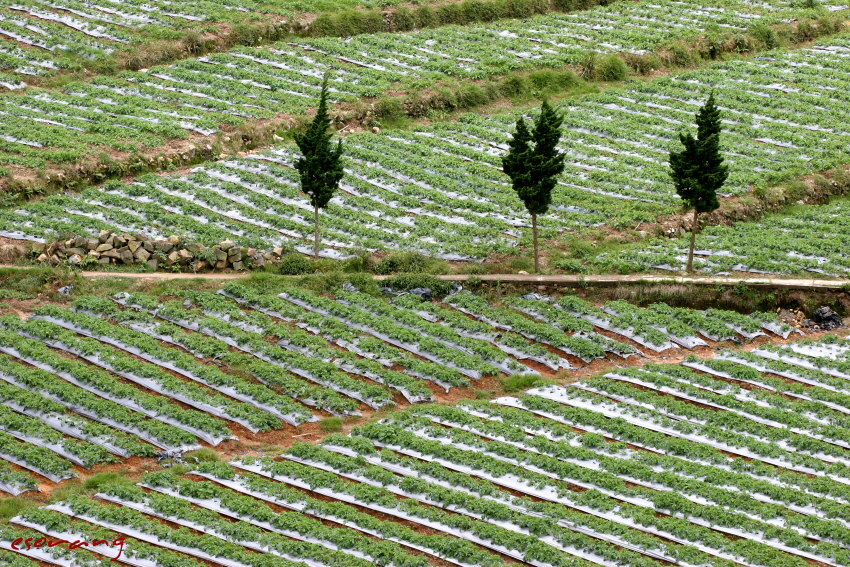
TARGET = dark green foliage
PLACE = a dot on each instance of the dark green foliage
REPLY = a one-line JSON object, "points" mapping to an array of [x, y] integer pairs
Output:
{"points": [[406, 282], [612, 68], [698, 171], [320, 168], [294, 265], [403, 19], [410, 262], [533, 163], [425, 17]]}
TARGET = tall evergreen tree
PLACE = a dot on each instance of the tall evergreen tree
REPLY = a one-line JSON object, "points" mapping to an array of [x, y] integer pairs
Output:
{"points": [[698, 171], [533, 163], [320, 168]]}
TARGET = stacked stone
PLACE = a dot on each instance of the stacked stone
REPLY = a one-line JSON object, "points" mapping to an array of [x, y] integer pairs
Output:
{"points": [[113, 248]]}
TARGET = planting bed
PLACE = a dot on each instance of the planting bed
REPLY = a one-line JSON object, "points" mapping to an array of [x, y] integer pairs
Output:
{"points": [[734, 460]]}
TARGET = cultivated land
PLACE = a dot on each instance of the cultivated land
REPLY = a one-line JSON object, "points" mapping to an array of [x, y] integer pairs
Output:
{"points": [[331, 412]]}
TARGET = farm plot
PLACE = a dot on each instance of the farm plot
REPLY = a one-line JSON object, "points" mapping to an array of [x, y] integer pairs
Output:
{"points": [[716, 462], [439, 190], [285, 79], [812, 240], [40, 36], [69, 33], [241, 364]]}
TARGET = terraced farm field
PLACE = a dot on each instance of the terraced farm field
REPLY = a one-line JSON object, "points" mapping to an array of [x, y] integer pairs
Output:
{"points": [[736, 459], [206, 368], [440, 190], [808, 240], [141, 111]]}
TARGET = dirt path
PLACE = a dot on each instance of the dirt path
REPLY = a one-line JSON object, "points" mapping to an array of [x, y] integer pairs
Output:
{"points": [[558, 279]]}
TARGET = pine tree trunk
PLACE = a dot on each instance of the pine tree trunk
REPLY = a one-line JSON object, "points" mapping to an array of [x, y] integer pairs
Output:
{"points": [[694, 230], [316, 241], [534, 237]]}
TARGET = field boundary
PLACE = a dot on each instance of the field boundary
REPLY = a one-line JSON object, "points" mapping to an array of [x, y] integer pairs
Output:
{"points": [[550, 279]]}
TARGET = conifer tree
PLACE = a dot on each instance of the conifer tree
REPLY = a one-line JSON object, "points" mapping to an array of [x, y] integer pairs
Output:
{"points": [[698, 171], [320, 168], [533, 163]]}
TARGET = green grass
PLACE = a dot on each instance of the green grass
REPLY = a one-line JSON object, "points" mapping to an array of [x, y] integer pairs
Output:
{"points": [[11, 507], [205, 455], [331, 424], [522, 382]]}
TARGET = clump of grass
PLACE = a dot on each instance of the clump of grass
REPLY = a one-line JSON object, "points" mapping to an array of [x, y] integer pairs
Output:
{"points": [[331, 424], [94, 482], [11, 507], [205, 455], [522, 382]]}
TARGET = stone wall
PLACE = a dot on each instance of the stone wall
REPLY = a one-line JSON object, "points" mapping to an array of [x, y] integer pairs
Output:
{"points": [[113, 248]]}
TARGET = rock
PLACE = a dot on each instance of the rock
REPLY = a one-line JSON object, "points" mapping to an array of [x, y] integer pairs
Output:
{"points": [[54, 260], [252, 252], [103, 247], [196, 248], [42, 257], [165, 247], [226, 245], [174, 239], [222, 155], [200, 265], [148, 245], [541, 288], [119, 241], [174, 257], [825, 318], [92, 243], [376, 130], [104, 236], [110, 254], [104, 260], [133, 245], [220, 265], [153, 263], [277, 251], [76, 252], [94, 253], [238, 266], [127, 256], [184, 256], [80, 242], [220, 255], [259, 262], [522, 272], [642, 233], [142, 255], [423, 292]]}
